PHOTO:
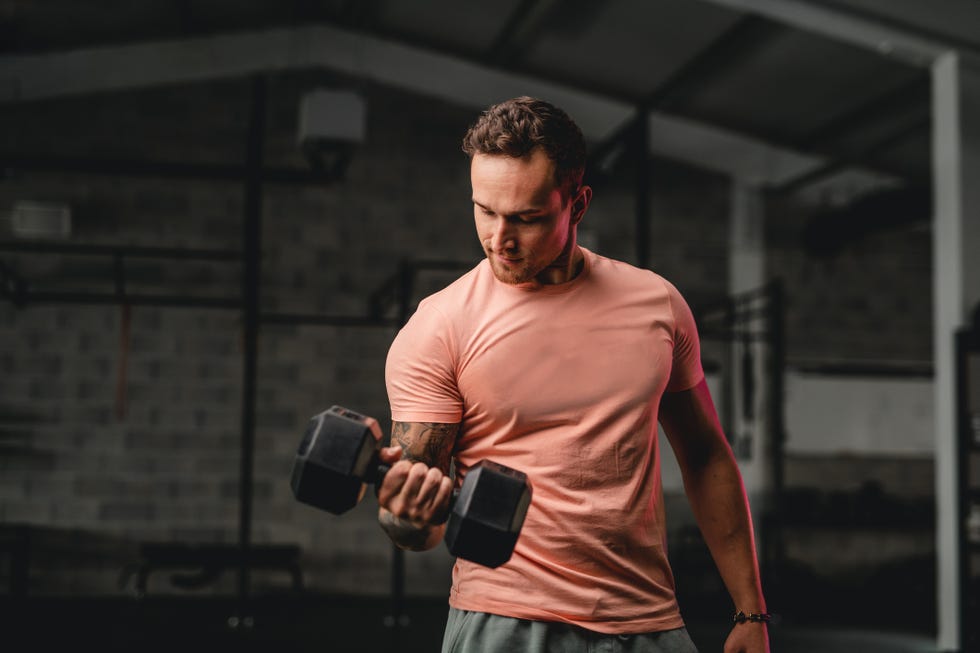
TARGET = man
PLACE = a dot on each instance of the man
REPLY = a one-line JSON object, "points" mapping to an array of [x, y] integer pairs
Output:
{"points": [[558, 362]]}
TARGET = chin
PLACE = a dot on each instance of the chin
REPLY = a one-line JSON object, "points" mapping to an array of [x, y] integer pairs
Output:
{"points": [[512, 277]]}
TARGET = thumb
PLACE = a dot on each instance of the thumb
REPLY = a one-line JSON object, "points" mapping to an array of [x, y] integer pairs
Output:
{"points": [[390, 455]]}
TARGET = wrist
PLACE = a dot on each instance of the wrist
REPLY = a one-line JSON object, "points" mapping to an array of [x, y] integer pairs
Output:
{"points": [[405, 534], [741, 617]]}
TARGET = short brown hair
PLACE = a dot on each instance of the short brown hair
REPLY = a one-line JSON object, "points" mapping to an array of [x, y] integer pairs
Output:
{"points": [[515, 127]]}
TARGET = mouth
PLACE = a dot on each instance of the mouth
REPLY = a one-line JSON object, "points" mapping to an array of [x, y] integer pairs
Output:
{"points": [[506, 260]]}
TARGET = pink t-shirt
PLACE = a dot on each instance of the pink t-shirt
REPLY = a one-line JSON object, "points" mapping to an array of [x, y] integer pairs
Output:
{"points": [[563, 383]]}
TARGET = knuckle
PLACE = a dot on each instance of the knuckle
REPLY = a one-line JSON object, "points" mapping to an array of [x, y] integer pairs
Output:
{"points": [[402, 466], [434, 474]]}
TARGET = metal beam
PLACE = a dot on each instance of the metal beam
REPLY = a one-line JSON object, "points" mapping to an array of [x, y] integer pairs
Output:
{"points": [[907, 93], [956, 290], [723, 52], [884, 143], [900, 25], [26, 78], [252, 255], [465, 83], [126, 251], [741, 154], [751, 32], [166, 169], [874, 32]]}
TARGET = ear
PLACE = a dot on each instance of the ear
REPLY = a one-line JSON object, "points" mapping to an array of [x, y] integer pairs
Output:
{"points": [[581, 203]]}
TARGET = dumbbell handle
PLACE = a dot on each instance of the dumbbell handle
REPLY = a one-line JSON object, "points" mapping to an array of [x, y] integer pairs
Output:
{"points": [[378, 477]]}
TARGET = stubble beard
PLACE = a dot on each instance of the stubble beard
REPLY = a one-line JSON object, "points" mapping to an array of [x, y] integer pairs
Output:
{"points": [[512, 276]]}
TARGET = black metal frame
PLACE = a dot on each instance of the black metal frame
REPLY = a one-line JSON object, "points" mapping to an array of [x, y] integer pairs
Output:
{"points": [[967, 343], [253, 174], [396, 291], [17, 289]]}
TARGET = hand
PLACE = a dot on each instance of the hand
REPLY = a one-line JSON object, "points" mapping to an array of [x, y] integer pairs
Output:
{"points": [[413, 492], [748, 638]]}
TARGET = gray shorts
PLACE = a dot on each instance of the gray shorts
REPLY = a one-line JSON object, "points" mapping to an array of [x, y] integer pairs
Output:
{"points": [[479, 632]]}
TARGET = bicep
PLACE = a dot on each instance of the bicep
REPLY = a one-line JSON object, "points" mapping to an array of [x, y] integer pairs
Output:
{"points": [[692, 427], [431, 443]]}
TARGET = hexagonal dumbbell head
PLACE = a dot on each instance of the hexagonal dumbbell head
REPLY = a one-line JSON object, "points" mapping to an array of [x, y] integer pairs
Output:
{"points": [[487, 515], [337, 455]]}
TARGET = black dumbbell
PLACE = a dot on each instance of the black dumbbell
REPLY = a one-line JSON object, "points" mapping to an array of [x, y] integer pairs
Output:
{"points": [[338, 456]]}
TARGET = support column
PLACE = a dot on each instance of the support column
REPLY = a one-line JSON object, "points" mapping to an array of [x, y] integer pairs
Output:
{"points": [[251, 259], [956, 289], [747, 272]]}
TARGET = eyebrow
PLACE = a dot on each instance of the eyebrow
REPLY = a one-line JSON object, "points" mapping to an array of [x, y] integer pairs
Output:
{"points": [[521, 212]]}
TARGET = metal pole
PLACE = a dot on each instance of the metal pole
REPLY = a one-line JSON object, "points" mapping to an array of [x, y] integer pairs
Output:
{"points": [[398, 619], [961, 350], [777, 433], [250, 299]]}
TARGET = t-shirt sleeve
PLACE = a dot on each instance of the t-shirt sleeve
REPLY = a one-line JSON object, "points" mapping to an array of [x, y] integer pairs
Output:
{"points": [[420, 371], [685, 371]]}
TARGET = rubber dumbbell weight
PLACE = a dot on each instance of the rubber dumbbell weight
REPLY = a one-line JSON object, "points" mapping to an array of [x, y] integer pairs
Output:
{"points": [[338, 457]]}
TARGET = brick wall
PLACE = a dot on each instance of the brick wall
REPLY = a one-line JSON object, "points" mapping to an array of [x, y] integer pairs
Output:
{"points": [[167, 470], [870, 303]]}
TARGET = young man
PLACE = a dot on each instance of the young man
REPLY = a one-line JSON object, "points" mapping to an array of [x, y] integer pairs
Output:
{"points": [[559, 362]]}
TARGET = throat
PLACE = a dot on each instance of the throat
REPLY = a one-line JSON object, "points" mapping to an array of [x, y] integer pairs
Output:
{"points": [[564, 269]]}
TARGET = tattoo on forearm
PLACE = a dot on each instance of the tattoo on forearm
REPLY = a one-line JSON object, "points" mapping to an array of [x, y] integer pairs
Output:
{"points": [[428, 442]]}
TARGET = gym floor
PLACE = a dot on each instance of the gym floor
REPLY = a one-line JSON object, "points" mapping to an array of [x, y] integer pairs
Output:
{"points": [[334, 625]]}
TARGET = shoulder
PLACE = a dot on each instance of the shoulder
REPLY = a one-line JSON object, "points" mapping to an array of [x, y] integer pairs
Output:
{"points": [[627, 275], [640, 287], [461, 288], [439, 314]]}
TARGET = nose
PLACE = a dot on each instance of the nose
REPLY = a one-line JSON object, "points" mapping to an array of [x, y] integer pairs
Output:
{"points": [[502, 237]]}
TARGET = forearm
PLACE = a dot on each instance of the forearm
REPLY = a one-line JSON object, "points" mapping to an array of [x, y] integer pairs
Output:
{"points": [[409, 536], [719, 503], [418, 487]]}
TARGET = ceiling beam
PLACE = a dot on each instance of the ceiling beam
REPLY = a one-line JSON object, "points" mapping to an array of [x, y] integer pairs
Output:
{"points": [[726, 52], [874, 32], [915, 125], [749, 159], [722, 53], [909, 93], [25, 78]]}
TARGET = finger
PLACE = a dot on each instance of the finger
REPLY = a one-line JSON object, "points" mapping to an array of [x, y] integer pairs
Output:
{"points": [[400, 497], [392, 483], [430, 486], [413, 483], [440, 503]]}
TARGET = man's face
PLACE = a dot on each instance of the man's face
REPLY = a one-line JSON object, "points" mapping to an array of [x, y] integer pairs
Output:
{"points": [[526, 230]]}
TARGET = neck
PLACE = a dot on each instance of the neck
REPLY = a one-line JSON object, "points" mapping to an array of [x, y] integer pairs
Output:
{"points": [[565, 268]]}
